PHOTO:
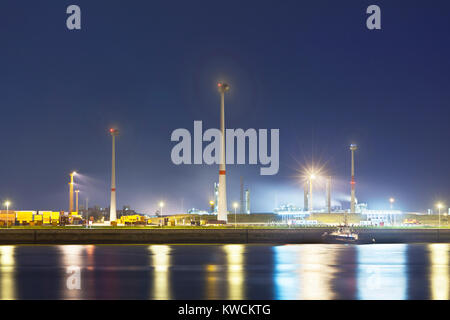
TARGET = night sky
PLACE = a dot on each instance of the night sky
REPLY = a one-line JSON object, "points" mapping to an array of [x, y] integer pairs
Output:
{"points": [[309, 68]]}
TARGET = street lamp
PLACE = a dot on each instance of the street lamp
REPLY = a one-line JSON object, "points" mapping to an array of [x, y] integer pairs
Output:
{"points": [[7, 203], [161, 205], [235, 206], [391, 201], [211, 204], [87, 213], [439, 206], [76, 200]]}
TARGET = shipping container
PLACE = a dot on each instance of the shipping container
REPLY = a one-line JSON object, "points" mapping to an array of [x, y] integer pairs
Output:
{"points": [[54, 216], [25, 217], [10, 217], [46, 216]]}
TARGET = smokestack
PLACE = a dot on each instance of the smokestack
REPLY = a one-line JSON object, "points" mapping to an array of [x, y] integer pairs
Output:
{"points": [[247, 201], [242, 205], [329, 194], [305, 196]]}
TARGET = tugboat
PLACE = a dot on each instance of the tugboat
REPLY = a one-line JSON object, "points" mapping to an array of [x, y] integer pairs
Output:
{"points": [[344, 235], [341, 235]]}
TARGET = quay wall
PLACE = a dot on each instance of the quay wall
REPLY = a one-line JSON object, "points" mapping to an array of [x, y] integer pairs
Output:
{"points": [[210, 236]]}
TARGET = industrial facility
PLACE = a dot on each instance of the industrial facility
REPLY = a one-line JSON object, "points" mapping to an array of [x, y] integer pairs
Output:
{"points": [[313, 212]]}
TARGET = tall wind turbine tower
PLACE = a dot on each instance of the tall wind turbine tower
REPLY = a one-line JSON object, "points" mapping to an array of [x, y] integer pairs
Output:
{"points": [[222, 205], [112, 207], [353, 147]]}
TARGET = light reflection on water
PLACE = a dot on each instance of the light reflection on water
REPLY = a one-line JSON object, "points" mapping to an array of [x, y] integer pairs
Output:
{"points": [[307, 271], [235, 271], [7, 273], [304, 272], [382, 272], [71, 256], [161, 272], [439, 271]]}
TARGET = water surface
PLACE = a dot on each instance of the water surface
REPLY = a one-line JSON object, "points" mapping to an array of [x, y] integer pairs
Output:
{"points": [[305, 271]]}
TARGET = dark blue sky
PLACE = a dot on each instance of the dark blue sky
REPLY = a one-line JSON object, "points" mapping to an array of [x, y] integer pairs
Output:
{"points": [[310, 68]]}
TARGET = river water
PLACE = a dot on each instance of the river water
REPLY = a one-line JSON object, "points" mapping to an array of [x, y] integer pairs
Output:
{"points": [[304, 271]]}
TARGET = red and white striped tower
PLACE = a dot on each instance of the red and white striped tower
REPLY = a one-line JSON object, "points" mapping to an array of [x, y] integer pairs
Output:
{"points": [[353, 147], [222, 201], [112, 207]]}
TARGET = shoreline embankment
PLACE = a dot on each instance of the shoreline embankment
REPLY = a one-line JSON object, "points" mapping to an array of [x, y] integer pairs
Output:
{"points": [[210, 236]]}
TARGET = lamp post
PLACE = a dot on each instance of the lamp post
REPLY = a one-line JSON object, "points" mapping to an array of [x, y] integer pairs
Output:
{"points": [[7, 203], [235, 206], [440, 206], [87, 213], [161, 205], [76, 200], [391, 201], [211, 204]]}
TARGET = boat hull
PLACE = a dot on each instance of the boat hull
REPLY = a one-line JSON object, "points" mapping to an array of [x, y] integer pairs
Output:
{"points": [[345, 239]]}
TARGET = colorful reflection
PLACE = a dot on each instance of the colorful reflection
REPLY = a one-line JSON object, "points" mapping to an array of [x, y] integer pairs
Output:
{"points": [[7, 273], [439, 271], [304, 272], [287, 277], [317, 272], [382, 272], [235, 271], [161, 256]]}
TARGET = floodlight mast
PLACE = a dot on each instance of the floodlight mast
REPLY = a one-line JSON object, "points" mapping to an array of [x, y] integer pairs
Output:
{"points": [[71, 191], [112, 207], [353, 147]]}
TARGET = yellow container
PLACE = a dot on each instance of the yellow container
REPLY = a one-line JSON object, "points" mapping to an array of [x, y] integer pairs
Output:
{"points": [[54, 216], [25, 217], [47, 217], [10, 217], [130, 219]]}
